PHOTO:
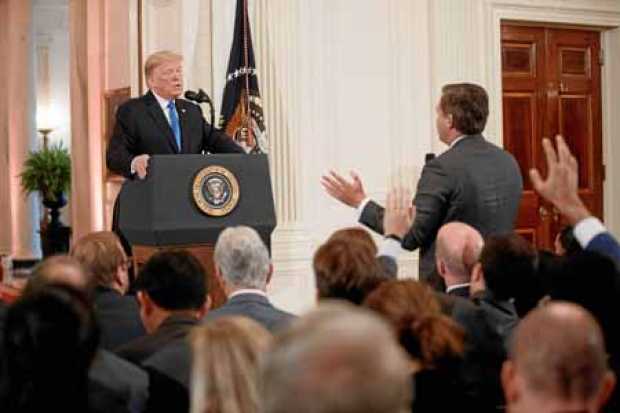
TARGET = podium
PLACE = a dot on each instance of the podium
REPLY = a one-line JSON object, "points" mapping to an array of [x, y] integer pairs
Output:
{"points": [[161, 211]]}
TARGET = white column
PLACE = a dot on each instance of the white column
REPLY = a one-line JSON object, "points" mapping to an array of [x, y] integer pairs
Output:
{"points": [[275, 33]]}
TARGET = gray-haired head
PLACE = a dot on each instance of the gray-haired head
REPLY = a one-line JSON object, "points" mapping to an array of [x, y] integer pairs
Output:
{"points": [[242, 258], [336, 359]]}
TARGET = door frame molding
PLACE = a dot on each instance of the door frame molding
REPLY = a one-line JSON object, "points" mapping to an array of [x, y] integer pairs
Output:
{"points": [[601, 14]]}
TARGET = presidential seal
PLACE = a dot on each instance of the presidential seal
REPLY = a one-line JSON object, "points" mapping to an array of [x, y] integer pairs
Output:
{"points": [[215, 191]]}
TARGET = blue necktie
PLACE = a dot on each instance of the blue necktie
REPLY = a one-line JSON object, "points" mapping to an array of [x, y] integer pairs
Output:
{"points": [[174, 123]]}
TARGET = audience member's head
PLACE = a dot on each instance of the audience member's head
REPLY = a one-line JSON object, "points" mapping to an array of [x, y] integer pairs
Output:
{"points": [[557, 362], [463, 109], [336, 359], [171, 282], [355, 234], [565, 242], [242, 260], [457, 251], [103, 257], [425, 333], [226, 354], [507, 266], [57, 269], [50, 339], [346, 270]]}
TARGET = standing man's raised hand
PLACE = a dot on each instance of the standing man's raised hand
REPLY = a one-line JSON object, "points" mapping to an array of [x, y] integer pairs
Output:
{"points": [[350, 193]]}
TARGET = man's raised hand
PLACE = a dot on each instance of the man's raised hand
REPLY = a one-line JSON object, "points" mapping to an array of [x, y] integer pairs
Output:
{"points": [[350, 193]]}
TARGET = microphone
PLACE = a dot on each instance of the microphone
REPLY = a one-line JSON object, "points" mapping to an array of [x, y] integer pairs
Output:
{"points": [[198, 97], [429, 157]]}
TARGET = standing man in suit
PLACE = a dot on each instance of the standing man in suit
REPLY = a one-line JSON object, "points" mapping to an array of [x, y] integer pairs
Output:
{"points": [[474, 181], [243, 267], [161, 123]]}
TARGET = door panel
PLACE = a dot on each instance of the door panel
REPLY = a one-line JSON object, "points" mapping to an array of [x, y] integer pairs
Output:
{"points": [[551, 85]]}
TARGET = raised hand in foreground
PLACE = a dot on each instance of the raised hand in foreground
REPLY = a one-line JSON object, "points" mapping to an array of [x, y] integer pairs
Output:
{"points": [[560, 188]]}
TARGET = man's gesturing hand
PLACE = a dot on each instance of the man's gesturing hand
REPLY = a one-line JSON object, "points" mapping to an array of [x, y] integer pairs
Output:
{"points": [[399, 213], [350, 193]]}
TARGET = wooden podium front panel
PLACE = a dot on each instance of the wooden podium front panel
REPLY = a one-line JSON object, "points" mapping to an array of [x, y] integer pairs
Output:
{"points": [[204, 254]]}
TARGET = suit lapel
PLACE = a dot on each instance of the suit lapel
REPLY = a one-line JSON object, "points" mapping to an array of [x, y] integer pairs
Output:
{"points": [[185, 143], [160, 120]]}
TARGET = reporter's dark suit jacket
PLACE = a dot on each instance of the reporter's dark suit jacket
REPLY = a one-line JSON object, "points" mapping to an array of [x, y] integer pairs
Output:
{"points": [[142, 128], [474, 182]]}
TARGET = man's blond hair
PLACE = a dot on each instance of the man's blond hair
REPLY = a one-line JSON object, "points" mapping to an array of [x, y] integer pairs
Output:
{"points": [[159, 58]]}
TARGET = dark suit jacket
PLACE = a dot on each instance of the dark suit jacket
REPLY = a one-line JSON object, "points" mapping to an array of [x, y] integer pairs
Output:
{"points": [[173, 328], [118, 316], [256, 307], [142, 128], [126, 381], [484, 352], [474, 182], [501, 315]]}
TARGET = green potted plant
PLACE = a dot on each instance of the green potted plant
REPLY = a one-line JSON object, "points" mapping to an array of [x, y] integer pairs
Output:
{"points": [[48, 171]]}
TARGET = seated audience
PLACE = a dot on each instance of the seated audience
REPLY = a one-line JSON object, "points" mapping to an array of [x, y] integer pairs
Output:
{"points": [[336, 359], [346, 270], [172, 292], [458, 247], [50, 340], [125, 380], [226, 356], [434, 342], [243, 268], [557, 363], [103, 257]]}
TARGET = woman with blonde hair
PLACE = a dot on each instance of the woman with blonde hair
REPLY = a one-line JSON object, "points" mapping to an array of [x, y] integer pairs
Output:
{"points": [[226, 353]]}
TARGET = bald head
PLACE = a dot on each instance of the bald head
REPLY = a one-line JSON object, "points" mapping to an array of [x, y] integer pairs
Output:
{"points": [[458, 249], [557, 361]]}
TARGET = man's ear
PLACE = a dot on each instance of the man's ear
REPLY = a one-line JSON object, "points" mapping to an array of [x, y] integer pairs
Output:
{"points": [[509, 383], [607, 387], [269, 274], [205, 307], [441, 268], [476, 273], [146, 304]]}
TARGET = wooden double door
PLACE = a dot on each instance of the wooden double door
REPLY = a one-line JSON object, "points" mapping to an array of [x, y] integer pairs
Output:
{"points": [[552, 85]]}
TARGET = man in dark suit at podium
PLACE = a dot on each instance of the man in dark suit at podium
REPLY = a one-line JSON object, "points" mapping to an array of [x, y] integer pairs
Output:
{"points": [[161, 123]]}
